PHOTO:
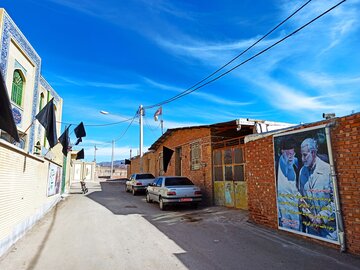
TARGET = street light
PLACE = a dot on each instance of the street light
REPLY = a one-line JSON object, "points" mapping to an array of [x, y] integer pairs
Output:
{"points": [[112, 149]]}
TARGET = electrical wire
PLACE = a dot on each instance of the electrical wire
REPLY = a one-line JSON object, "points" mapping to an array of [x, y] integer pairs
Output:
{"points": [[153, 130], [263, 51], [123, 134], [98, 125], [190, 90]]}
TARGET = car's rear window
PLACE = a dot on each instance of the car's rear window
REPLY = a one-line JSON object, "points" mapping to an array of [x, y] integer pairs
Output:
{"points": [[178, 181], [144, 176]]}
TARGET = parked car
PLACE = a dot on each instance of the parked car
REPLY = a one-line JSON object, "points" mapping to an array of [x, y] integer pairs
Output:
{"points": [[171, 190], [138, 182]]}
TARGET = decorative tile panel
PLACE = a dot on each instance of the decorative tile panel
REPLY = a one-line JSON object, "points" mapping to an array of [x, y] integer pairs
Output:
{"points": [[11, 31]]}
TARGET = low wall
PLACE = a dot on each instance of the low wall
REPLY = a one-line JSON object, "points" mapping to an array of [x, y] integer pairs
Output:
{"points": [[23, 193]]}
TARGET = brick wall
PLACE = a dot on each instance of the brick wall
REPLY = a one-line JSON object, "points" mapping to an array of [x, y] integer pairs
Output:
{"points": [[346, 150], [345, 136], [261, 182], [183, 138]]}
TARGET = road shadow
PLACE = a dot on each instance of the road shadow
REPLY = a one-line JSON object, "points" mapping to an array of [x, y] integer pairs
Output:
{"points": [[33, 262], [221, 238]]}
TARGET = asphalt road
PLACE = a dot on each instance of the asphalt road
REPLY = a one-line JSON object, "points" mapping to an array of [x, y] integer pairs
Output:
{"points": [[110, 229]]}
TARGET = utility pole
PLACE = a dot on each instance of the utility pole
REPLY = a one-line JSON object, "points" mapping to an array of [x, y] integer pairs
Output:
{"points": [[95, 149], [112, 159], [141, 112]]}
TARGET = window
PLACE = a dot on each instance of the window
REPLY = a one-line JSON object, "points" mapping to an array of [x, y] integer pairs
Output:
{"points": [[218, 168], [17, 88], [195, 156], [144, 176], [178, 181], [41, 104], [159, 182], [229, 164]]}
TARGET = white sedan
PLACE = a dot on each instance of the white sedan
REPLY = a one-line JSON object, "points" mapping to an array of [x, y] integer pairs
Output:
{"points": [[171, 190]]}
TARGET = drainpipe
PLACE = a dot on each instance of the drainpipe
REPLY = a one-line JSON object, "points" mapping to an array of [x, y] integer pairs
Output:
{"points": [[339, 218]]}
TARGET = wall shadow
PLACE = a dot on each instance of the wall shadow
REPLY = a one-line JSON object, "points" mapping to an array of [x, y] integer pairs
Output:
{"points": [[221, 238]]}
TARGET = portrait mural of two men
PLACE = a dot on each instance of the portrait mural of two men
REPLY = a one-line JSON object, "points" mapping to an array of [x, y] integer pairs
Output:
{"points": [[305, 197]]}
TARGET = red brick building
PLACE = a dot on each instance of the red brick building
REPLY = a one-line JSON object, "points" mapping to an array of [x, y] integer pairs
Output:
{"points": [[212, 156]]}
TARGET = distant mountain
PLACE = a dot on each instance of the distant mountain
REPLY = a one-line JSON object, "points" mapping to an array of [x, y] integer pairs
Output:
{"points": [[117, 163]]}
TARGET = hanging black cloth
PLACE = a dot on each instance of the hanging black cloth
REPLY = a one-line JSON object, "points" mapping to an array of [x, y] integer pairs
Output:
{"points": [[65, 141], [7, 122], [167, 153], [80, 154], [79, 133], [47, 119], [127, 162]]}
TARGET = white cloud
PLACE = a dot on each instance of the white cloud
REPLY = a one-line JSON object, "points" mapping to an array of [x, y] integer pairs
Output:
{"points": [[324, 80], [202, 95], [82, 83]]}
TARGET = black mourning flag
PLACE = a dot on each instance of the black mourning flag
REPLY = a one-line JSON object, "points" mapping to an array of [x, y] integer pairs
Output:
{"points": [[79, 133], [65, 141], [167, 153], [80, 154], [127, 162], [47, 119], [7, 122]]}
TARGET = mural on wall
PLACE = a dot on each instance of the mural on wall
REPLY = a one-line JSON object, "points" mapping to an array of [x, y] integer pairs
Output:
{"points": [[305, 197], [54, 179]]}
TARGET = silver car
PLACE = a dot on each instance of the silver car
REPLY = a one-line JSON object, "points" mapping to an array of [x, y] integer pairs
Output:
{"points": [[138, 182], [170, 190]]}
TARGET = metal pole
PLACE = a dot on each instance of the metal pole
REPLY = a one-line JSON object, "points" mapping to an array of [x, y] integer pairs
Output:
{"points": [[141, 111], [339, 218], [95, 153], [112, 159]]}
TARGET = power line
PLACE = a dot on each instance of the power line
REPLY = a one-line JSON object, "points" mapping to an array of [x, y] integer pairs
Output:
{"points": [[149, 126], [98, 125], [122, 135], [263, 51], [190, 90], [232, 60]]}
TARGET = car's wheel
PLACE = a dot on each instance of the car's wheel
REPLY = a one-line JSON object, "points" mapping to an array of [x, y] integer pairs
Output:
{"points": [[148, 200], [161, 204], [133, 191]]}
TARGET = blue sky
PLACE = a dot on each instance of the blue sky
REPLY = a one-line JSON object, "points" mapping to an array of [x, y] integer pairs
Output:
{"points": [[115, 55]]}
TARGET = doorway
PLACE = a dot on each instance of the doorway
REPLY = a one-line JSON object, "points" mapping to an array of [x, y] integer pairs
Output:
{"points": [[178, 161]]}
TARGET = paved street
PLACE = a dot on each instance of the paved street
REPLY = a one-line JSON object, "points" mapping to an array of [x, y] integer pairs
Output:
{"points": [[111, 229]]}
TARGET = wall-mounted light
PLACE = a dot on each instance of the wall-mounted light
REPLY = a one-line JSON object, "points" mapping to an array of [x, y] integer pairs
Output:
{"points": [[328, 115]]}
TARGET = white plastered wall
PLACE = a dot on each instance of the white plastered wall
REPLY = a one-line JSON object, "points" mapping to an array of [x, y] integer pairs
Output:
{"points": [[23, 193]]}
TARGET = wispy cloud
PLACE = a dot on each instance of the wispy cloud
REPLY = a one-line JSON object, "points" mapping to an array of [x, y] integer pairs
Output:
{"points": [[82, 83], [303, 104], [323, 80], [218, 99], [208, 51], [169, 8]]}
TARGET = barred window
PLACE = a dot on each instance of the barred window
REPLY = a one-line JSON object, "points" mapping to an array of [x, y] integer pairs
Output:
{"points": [[17, 88], [195, 156]]}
